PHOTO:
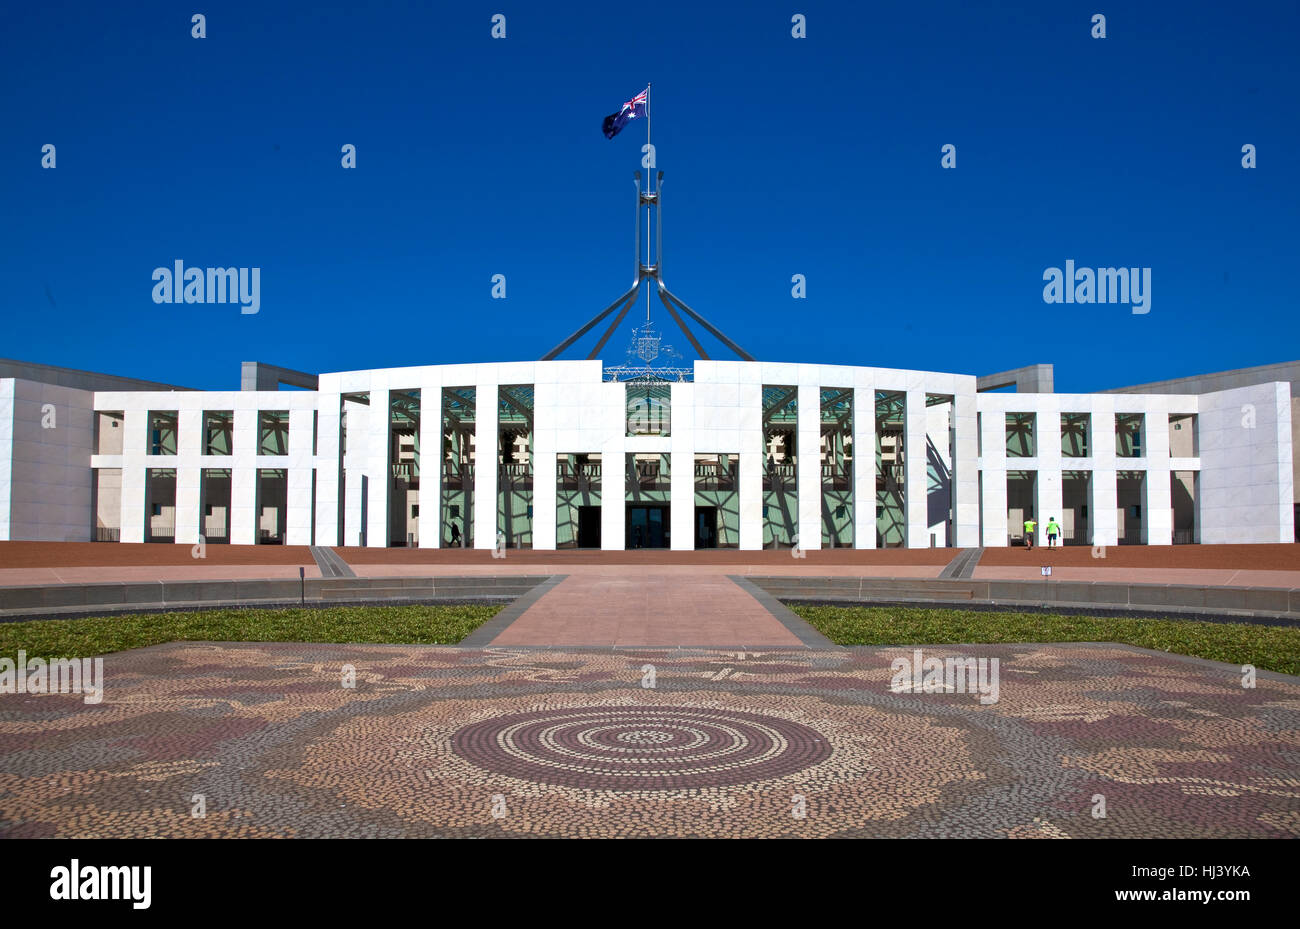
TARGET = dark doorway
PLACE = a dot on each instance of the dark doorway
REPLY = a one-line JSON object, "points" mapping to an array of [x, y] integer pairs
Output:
{"points": [[588, 527], [647, 527], [706, 527]]}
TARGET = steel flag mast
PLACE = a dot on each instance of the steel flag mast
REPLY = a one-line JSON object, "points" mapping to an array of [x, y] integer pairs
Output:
{"points": [[650, 269]]}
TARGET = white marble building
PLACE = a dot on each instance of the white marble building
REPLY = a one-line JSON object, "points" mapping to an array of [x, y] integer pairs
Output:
{"points": [[78, 463]]}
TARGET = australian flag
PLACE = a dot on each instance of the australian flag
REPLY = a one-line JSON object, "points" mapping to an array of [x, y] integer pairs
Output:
{"points": [[635, 107]]}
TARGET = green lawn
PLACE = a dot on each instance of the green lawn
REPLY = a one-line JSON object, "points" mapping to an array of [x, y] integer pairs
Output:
{"points": [[396, 625], [1271, 648]]}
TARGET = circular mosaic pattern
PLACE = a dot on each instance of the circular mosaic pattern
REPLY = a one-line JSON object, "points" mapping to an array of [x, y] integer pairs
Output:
{"points": [[640, 747]]}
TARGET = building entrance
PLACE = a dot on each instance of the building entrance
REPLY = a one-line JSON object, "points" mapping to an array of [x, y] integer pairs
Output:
{"points": [[706, 527], [588, 527], [647, 526]]}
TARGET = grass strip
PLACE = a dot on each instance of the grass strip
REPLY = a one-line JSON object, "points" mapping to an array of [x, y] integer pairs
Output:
{"points": [[85, 637], [1271, 648]]}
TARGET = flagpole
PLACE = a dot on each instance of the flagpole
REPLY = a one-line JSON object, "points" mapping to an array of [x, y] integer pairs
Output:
{"points": [[649, 184]]}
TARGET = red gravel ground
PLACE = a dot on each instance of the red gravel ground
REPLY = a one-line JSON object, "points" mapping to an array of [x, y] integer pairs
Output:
{"points": [[115, 554], [1277, 557], [651, 556]]}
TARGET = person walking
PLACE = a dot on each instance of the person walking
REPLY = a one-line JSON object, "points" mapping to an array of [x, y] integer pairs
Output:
{"points": [[1030, 527], [1053, 530], [455, 536]]}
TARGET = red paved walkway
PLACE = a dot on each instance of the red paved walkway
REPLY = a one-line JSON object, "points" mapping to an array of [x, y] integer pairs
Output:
{"points": [[24, 563], [647, 609]]}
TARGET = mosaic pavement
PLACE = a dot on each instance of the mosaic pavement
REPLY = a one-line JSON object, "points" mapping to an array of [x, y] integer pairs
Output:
{"points": [[265, 740]]}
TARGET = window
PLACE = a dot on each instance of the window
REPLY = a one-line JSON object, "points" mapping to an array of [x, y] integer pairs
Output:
{"points": [[1020, 435], [273, 432], [1074, 434], [1182, 435], [218, 432], [415, 510], [162, 432], [108, 432], [1128, 435]]}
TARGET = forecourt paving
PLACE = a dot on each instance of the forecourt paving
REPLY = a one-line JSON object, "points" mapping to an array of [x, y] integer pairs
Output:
{"points": [[465, 742], [752, 726]]}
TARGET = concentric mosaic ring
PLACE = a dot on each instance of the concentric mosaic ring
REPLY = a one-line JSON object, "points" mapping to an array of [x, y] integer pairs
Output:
{"points": [[640, 747]]}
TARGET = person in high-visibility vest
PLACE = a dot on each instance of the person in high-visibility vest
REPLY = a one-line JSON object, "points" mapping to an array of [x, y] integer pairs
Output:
{"points": [[1053, 530], [1030, 526]]}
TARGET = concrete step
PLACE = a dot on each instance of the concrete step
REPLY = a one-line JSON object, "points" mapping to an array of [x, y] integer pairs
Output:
{"points": [[869, 595], [40, 599]]}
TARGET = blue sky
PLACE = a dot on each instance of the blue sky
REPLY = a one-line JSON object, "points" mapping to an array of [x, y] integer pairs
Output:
{"points": [[816, 156]]}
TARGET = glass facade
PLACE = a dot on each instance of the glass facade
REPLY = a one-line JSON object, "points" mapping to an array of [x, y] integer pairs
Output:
{"points": [[515, 466], [780, 466], [459, 421], [837, 467], [891, 467]]}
